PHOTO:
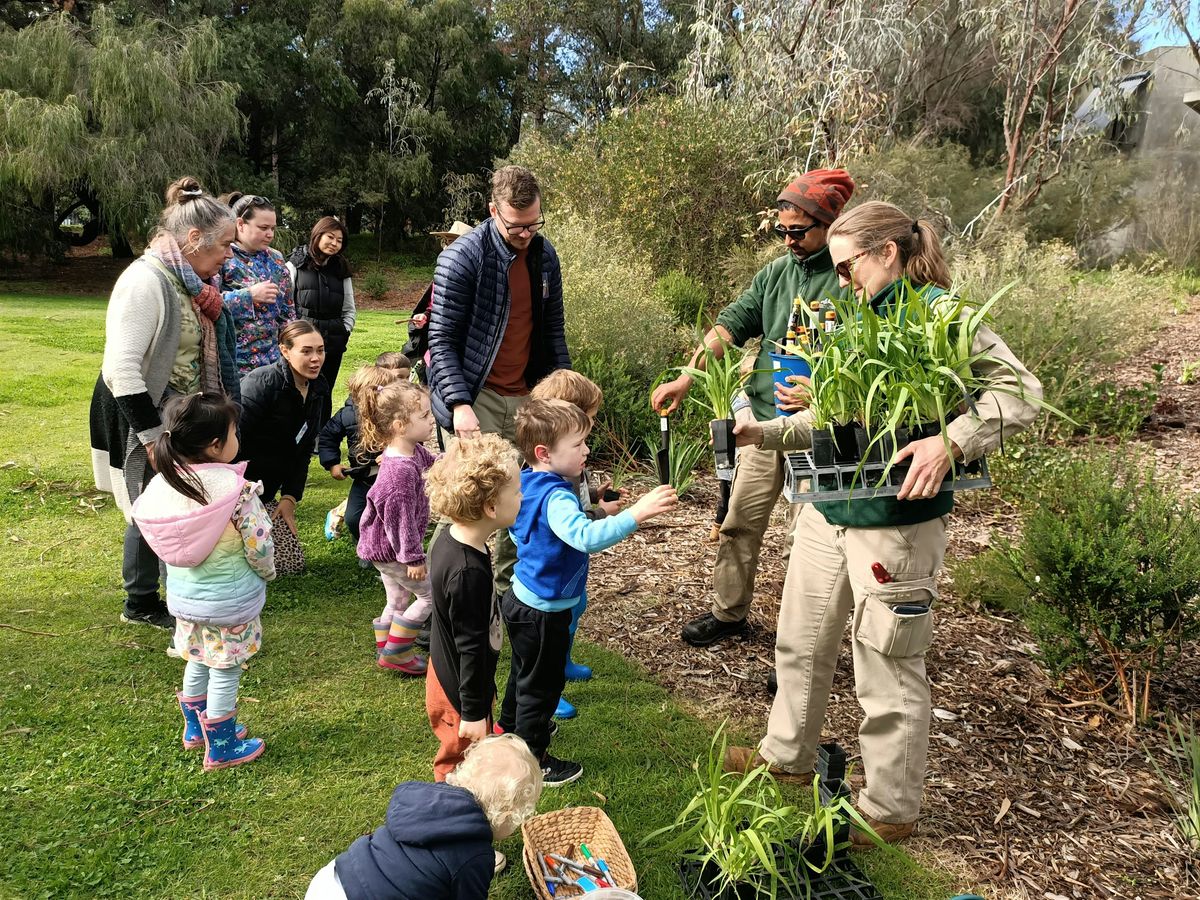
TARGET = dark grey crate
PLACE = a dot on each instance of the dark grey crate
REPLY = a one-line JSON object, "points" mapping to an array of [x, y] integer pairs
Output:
{"points": [[853, 481]]}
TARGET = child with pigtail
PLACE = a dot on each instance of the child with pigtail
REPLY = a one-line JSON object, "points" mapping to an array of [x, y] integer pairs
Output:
{"points": [[396, 517], [207, 523]]}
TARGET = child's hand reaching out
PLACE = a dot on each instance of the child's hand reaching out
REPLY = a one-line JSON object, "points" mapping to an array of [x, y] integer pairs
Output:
{"points": [[472, 731], [611, 507], [417, 573], [660, 500]]}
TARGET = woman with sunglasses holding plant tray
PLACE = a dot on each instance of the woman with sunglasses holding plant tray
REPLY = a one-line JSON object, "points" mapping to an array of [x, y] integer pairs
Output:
{"points": [[875, 561], [807, 208], [255, 284]]}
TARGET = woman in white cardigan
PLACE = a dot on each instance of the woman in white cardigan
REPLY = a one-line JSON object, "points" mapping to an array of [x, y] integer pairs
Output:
{"points": [[165, 332]]}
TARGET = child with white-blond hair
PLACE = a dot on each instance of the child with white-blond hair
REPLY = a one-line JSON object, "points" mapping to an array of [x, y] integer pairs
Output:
{"points": [[392, 530], [436, 841]]}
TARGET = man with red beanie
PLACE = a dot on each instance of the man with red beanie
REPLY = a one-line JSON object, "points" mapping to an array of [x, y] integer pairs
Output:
{"points": [[806, 208]]}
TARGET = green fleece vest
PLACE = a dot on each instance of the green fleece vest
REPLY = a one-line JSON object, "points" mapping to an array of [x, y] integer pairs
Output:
{"points": [[880, 512], [763, 311]]}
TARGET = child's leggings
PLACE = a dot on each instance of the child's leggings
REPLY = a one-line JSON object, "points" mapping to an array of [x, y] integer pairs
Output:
{"points": [[406, 598], [221, 685]]}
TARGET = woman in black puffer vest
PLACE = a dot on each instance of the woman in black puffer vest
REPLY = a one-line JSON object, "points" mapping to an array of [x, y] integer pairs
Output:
{"points": [[323, 291]]}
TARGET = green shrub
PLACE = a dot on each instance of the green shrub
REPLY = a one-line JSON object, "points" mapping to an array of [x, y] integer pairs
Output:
{"points": [[1110, 563], [620, 332], [374, 285], [938, 182], [687, 298], [669, 175], [1070, 327]]}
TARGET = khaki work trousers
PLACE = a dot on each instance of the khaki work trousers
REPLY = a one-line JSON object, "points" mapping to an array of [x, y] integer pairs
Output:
{"points": [[829, 579], [757, 481], [497, 414]]}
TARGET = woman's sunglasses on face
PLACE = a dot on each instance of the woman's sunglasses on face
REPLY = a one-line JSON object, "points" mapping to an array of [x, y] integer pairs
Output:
{"points": [[843, 269]]}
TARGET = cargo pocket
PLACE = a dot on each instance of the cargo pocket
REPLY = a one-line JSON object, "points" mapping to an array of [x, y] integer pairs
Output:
{"points": [[897, 618]]}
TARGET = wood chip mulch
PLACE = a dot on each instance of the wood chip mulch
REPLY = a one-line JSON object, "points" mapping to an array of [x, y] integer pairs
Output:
{"points": [[1034, 789]]}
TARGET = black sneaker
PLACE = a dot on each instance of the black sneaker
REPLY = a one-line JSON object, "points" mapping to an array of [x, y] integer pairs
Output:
{"points": [[156, 618], [772, 683], [557, 772], [423, 638], [708, 629]]}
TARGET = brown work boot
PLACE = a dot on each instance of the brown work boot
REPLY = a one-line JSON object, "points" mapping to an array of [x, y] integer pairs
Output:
{"points": [[889, 832], [743, 759]]}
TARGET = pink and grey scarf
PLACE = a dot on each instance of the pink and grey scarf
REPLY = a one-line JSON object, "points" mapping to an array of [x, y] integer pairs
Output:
{"points": [[206, 300]]}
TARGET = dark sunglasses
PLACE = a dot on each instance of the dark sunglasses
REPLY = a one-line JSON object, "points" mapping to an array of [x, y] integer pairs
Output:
{"points": [[843, 268], [796, 232], [251, 201]]}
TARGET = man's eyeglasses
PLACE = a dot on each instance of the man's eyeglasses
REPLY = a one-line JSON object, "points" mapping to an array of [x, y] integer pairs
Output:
{"points": [[843, 268], [515, 229], [796, 232]]}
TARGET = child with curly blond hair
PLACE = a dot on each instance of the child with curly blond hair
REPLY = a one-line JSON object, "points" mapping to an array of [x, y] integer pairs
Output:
{"points": [[437, 841], [396, 516], [476, 484]]}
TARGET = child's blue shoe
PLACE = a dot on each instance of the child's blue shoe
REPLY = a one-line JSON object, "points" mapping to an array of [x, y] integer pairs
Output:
{"points": [[223, 748], [565, 710], [193, 733], [577, 671]]}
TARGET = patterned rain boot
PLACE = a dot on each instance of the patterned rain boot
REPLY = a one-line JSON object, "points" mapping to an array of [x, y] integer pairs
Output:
{"points": [[398, 654], [381, 633], [193, 733], [223, 748]]}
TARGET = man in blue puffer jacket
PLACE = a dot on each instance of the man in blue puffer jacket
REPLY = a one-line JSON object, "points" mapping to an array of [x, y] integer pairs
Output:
{"points": [[496, 327]]}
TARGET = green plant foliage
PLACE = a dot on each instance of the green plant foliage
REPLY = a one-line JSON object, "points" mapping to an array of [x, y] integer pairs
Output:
{"points": [[374, 285], [1184, 745], [668, 175], [1190, 372], [685, 296], [1068, 326], [109, 112], [719, 381], [1110, 560], [1111, 409], [739, 826]]}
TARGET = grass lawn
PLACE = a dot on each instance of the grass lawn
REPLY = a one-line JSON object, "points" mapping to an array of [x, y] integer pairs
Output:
{"points": [[97, 797]]}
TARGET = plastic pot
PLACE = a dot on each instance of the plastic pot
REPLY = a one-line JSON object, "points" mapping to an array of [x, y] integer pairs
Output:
{"points": [[723, 441]]}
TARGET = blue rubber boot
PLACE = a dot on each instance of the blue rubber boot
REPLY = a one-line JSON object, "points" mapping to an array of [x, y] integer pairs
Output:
{"points": [[565, 710], [223, 748], [193, 733], [573, 670]]}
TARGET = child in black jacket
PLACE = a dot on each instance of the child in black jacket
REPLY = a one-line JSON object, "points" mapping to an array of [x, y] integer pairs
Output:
{"points": [[343, 426]]}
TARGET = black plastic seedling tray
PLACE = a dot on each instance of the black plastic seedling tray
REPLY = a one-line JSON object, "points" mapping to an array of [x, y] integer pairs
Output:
{"points": [[843, 880]]}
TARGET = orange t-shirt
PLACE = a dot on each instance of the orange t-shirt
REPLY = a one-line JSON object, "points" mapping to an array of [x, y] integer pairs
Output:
{"points": [[507, 377]]}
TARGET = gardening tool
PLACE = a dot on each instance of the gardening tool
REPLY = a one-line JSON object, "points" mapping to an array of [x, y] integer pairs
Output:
{"points": [[662, 459]]}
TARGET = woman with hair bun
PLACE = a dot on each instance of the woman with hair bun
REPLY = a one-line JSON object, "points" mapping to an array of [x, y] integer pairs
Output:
{"points": [[256, 285], [165, 333], [324, 291]]}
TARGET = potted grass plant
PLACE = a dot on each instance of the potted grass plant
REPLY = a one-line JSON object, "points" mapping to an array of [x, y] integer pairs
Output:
{"points": [[742, 840], [892, 375], [719, 380]]}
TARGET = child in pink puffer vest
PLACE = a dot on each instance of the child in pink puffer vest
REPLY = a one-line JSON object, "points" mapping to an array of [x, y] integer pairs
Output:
{"points": [[206, 522]]}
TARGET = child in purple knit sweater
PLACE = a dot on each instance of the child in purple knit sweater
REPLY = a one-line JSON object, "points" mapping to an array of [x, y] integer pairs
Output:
{"points": [[394, 522]]}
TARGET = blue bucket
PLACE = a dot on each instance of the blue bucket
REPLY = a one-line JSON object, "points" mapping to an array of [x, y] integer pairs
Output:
{"points": [[785, 365]]}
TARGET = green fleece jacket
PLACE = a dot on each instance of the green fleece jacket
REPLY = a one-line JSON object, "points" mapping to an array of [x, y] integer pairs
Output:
{"points": [[763, 311]]}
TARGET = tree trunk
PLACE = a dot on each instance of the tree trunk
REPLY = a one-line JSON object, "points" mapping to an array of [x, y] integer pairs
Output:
{"points": [[121, 248]]}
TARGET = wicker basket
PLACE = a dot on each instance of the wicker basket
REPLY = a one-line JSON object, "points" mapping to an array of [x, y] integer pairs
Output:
{"points": [[559, 831]]}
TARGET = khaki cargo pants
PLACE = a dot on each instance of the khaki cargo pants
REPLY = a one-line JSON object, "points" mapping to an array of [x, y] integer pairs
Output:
{"points": [[497, 414], [757, 482], [830, 579]]}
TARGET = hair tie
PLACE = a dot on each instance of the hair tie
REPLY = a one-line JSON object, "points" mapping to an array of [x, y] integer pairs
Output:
{"points": [[167, 433], [192, 192], [916, 227]]}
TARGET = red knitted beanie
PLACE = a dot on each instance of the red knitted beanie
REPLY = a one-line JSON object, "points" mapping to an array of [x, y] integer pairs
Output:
{"points": [[821, 193]]}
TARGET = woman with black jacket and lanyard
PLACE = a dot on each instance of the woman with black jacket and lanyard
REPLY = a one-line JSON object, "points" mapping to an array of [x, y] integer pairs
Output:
{"points": [[324, 292], [283, 408]]}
